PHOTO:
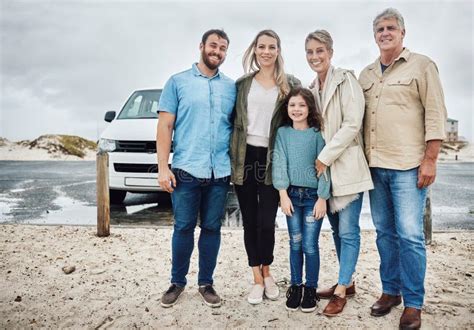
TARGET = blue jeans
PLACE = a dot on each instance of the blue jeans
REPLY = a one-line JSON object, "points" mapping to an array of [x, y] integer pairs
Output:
{"points": [[397, 207], [304, 231], [190, 197], [346, 235]]}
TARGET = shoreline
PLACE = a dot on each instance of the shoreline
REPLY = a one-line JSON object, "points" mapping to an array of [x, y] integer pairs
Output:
{"points": [[119, 280], [15, 152], [91, 158], [224, 228]]}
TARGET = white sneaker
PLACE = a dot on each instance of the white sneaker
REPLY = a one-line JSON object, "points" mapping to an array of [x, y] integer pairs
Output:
{"points": [[271, 289], [256, 294]]}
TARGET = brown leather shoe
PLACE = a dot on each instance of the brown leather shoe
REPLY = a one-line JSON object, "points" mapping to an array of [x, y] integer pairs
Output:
{"points": [[328, 293], [411, 318], [335, 306], [384, 305]]}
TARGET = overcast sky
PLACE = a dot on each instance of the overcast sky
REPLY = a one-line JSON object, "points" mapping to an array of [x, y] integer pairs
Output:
{"points": [[65, 63]]}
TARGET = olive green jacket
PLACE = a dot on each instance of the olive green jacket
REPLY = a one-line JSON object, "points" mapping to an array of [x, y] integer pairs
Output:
{"points": [[238, 145]]}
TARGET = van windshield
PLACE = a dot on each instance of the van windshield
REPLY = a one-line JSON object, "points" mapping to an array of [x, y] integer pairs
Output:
{"points": [[142, 104]]}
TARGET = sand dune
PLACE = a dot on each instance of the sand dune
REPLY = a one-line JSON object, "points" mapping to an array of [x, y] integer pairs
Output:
{"points": [[48, 147]]}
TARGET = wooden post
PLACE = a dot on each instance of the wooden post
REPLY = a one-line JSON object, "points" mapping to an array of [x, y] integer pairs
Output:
{"points": [[427, 218], [103, 200]]}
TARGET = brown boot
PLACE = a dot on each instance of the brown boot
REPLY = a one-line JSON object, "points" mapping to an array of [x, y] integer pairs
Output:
{"points": [[328, 293], [411, 318], [335, 306], [384, 305]]}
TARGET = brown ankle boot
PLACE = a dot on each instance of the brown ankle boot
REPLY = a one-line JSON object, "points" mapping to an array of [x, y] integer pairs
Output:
{"points": [[384, 305], [411, 318]]}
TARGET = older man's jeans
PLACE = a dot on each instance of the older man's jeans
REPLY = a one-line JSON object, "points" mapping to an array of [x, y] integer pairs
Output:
{"points": [[304, 231], [397, 207], [346, 235], [190, 197]]}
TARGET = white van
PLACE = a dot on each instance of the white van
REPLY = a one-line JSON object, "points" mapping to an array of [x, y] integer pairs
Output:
{"points": [[130, 140]]}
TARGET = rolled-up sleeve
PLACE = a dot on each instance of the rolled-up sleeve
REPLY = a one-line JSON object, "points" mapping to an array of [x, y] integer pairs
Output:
{"points": [[432, 98]]}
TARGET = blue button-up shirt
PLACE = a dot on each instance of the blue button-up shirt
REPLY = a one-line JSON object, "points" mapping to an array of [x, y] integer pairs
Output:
{"points": [[203, 108]]}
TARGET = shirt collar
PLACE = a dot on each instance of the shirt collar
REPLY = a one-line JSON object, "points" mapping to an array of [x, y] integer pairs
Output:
{"points": [[196, 72], [405, 54]]}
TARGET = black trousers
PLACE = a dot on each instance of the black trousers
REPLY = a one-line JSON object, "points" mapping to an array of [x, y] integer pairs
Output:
{"points": [[258, 205]]}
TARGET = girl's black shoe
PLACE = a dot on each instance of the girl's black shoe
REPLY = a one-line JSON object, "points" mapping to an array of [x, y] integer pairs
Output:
{"points": [[310, 299], [293, 297]]}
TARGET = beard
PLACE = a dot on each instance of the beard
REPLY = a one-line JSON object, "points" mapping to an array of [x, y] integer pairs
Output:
{"points": [[207, 61]]}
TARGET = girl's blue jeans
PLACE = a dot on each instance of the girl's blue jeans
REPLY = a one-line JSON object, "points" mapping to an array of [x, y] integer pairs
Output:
{"points": [[304, 231]]}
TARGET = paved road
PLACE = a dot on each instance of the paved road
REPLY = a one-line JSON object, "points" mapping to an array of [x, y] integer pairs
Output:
{"points": [[54, 192]]}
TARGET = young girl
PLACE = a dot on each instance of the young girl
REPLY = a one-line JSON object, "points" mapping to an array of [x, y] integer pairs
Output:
{"points": [[302, 194]]}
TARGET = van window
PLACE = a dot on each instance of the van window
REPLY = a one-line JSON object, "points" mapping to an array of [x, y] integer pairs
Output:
{"points": [[142, 104]]}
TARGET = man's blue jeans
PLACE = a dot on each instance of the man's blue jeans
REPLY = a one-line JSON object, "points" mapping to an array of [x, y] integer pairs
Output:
{"points": [[346, 235], [190, 197], [304, 231], [397, 207]]}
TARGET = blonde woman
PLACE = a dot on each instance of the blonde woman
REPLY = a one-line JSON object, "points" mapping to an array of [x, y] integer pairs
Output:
{"points": [[341, 101], [258, 115]]}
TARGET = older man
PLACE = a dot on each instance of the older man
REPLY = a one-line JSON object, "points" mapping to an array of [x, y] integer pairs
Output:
{"points": [[403, 131]]}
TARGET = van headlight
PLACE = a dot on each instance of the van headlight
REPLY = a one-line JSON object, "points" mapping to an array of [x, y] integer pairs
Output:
{"points": [[107, 145]]}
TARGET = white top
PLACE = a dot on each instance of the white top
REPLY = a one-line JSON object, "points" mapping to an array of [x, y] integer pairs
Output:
{"points": [[260, 106]]}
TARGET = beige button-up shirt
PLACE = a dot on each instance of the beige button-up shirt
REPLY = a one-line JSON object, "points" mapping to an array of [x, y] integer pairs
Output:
{"points": [[404, 108]]}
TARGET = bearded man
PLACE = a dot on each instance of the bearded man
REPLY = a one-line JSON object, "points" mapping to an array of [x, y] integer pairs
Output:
{"points": [[197, 105]]}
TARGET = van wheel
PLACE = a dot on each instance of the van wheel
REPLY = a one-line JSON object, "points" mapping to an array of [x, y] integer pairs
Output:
{"points": [[117, 196]]}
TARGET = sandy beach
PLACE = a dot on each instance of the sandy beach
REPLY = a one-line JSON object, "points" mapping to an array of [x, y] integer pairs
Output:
{"points": [[466, 154], [118, 282]]}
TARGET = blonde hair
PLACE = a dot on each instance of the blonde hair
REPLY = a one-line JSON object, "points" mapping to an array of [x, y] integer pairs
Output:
{"points": [[250, 63], [323, 37]]}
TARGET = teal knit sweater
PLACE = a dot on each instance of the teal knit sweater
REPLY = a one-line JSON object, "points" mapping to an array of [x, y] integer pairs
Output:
{"points": [[294, 160]]}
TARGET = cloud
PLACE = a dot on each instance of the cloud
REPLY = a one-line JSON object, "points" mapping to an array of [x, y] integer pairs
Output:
{"points": [[64, 63]]}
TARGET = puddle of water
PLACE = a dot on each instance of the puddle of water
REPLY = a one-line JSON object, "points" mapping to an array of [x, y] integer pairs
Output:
{"points": [[137, 208], [71, 212], [365, 221], [6, 206], [450, 210], [78, 183], [17, 190], [74, 212]]}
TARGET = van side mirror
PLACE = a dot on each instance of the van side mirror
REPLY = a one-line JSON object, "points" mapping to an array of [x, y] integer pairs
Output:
{"points": [[109, 116]]}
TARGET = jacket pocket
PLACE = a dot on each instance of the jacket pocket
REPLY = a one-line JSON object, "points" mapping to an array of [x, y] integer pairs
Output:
{"points": [[349, 168], [400, 82]]}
